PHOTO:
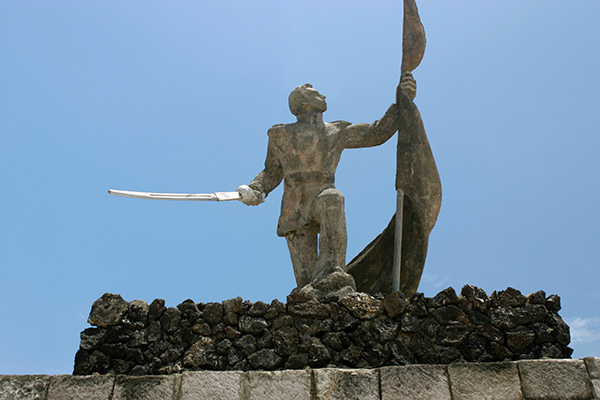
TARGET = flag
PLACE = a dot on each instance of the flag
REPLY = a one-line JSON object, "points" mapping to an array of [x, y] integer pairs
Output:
{"points": [[416, 176]]}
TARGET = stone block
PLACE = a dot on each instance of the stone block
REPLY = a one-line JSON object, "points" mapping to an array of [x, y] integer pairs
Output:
{"points": [[278, 385], [593, 367], [67, 387], [211, 385], [596, 385], [147, 387], [346, 384], [414, 382], [555, 379], [23, 387], [490, 381]]}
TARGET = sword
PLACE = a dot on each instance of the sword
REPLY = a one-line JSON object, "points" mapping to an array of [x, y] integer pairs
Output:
{"points": [[217, 196]]}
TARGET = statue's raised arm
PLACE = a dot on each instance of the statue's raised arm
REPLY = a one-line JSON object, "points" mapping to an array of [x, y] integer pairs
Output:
{"points": [[369, 135]]}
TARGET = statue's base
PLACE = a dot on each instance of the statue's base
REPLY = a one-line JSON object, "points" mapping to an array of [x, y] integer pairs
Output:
{"points": [[356, 331], [518, 380]]}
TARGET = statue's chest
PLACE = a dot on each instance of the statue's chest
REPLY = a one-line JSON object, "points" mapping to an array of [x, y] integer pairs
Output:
{"points": [[313, 142]]}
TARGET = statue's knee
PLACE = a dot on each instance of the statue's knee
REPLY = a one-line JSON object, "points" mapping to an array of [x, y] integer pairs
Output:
{"points": [[332, 197]]}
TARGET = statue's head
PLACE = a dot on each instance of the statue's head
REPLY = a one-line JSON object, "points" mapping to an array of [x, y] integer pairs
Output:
{"points": [[305, 99]]}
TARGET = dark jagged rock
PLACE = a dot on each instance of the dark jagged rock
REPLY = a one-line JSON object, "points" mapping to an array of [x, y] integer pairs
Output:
{"points": [[336, 340], [332, 284], [538, 297], [201, 328], [189, 311], [553, 303], [153, 331], [265, 359], [560, 331], [82, 363], [479, 318], [116, 334], [473, 298], [395, 304], [473, 347], [258, 309], [504, 318], [108, 310], [231, 319], [350, 356], [313, 327], [519, 339], [247, 344], [309, 309], [384, 329], [357, 331], [401, 353], [156, 309], [362, 305], [318, 354], [509, 298], [444, 298], [137, 315], [252, 325], [170, 320], [416, 305], [297, 361], [448, 314], [543, 333], [92, 338], [232, 305], [276, 309], [213, 313]]}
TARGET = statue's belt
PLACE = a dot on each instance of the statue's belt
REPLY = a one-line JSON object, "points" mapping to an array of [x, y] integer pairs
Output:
{"points": [[310, 176]]}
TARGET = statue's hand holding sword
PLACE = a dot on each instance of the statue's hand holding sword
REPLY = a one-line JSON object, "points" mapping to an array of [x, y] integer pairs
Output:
{"points": [[244, 193]]}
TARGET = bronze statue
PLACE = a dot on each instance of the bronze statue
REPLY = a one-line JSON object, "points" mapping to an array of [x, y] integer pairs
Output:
{"points": [[305, 154]]}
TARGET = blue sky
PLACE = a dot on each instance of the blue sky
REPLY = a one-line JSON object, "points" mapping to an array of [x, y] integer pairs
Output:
{"points": [[178, 96]]}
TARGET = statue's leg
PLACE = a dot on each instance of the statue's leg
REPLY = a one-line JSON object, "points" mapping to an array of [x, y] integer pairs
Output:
{"points": [[330, 215], [302, 244]]}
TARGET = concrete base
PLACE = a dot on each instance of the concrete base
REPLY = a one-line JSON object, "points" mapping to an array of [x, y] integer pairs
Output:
{"points": [[519, 380]]}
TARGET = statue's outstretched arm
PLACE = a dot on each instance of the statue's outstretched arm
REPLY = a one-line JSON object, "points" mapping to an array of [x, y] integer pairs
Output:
{"points": [[267, 180], [369, 135]]}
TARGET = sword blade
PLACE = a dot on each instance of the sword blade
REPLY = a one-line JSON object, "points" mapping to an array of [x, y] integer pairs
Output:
{"points": [[217, 196]]}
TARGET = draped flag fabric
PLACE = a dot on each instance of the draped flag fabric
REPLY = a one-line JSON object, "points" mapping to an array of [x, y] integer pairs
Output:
{"points": [[416, 176]]}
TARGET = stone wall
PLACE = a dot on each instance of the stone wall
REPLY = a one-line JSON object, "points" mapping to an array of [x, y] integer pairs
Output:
{"points": [[529, 379], [356, 331]]}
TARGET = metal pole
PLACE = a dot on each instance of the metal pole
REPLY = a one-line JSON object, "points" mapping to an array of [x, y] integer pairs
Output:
{"points": [[398, 241]]}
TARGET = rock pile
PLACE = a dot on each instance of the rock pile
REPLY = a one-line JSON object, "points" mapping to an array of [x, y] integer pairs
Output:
{"points": [[356, 331]]}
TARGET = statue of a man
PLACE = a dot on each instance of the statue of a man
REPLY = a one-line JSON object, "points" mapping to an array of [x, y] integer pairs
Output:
{"points": [[305, 155]]}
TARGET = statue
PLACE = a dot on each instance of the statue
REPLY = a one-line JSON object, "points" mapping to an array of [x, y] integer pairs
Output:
{"points": [[305, 155]]}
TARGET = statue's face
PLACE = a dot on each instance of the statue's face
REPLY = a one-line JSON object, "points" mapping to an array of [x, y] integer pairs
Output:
{"points": [[315, 100]]}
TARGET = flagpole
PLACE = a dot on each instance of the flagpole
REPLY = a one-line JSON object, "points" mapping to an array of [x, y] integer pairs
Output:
{"points": [[413, 48], [398, 241]]}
